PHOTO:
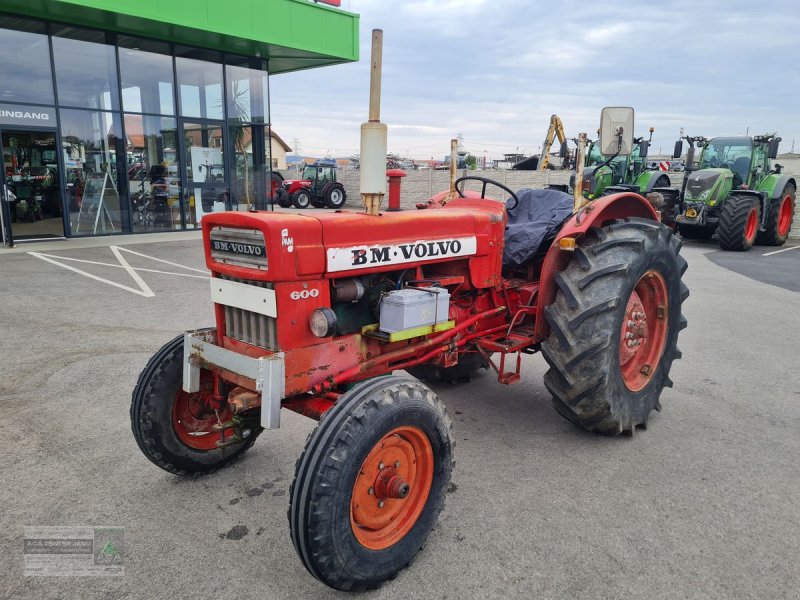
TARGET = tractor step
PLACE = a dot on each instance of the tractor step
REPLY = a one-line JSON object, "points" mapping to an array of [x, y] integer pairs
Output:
{"points": [[519, 340]]}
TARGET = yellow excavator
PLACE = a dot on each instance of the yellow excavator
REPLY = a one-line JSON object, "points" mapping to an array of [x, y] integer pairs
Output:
{"points": [[556, 129]]}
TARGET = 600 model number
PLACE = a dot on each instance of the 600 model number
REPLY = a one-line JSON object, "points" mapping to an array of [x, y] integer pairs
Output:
{"points": [[363, 257]]}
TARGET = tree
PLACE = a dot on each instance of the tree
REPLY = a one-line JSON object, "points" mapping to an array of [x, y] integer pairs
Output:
{"points": [[471, 162]]}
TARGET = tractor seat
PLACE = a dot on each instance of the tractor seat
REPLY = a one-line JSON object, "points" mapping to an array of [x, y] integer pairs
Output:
{"points": [[535, 220]]}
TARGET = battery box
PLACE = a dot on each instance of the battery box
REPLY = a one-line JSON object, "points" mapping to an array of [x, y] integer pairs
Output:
{"points": [[413, 307]]}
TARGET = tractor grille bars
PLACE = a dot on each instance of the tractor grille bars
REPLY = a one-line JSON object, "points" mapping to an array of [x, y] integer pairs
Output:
{"points": [[249, 327]]}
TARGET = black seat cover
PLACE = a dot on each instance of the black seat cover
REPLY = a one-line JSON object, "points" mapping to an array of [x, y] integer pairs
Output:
{"points": [[536, 218]]}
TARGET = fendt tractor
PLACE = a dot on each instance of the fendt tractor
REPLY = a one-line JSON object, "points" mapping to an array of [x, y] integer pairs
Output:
{"points": [[734, 191], [320, 313], [317, 188], [611, 174]]}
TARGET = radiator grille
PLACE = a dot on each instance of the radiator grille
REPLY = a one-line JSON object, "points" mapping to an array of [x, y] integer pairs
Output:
{"points": [[249, 327]]}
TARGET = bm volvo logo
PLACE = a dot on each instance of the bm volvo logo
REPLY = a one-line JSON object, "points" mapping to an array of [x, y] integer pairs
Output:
{"points": [[238, 248], [363, 257]]}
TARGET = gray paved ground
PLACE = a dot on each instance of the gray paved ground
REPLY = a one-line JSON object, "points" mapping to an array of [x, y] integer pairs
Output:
{"points": [[704, 504]]}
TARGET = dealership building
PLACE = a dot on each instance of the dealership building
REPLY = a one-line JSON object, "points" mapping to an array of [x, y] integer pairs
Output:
{"points": [[132, 116]]}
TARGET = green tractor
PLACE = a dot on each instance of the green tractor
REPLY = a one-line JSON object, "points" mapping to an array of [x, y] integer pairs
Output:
{"points": [[732, 190], [604, 175]]}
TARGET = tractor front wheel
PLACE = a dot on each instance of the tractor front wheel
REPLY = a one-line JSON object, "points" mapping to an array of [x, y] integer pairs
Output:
{"points": [[175, 429], [301, 198], [779, 219], [614, 326], [371, 482], [738, 223]]}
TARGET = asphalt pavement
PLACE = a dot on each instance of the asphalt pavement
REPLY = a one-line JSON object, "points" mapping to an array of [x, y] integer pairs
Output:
{"points": [[703, 504]]}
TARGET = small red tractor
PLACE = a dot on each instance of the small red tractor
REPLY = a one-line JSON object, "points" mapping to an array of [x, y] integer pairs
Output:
{"points": [[320, 314], [317, 188]]}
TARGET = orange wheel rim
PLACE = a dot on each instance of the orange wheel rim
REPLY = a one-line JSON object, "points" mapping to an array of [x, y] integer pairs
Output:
{"points": [[752, 223], [391, 488], [643, 333], [785, 216]]}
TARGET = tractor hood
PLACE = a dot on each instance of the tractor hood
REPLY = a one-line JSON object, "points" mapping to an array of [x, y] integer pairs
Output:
{"points": [[707, 185], [289, 182]]}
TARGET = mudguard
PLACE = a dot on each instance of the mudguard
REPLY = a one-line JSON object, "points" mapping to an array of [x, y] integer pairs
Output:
{"points": [[646, 180], [774, 183], [595, 214]]}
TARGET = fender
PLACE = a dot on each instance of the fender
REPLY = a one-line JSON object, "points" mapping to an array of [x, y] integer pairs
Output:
{"points": [[647, 180], [595, 214], [777, 183]]}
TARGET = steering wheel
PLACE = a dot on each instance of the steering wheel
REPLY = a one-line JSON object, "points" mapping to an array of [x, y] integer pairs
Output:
{"points": [[728, 164], [713, 162], [486, 182]]}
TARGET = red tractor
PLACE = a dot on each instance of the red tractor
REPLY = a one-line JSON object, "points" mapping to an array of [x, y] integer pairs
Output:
{"points": [[318, 314], [317, 188]]}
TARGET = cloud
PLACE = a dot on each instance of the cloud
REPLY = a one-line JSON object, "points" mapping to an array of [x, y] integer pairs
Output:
{"points": [[496, 71]]}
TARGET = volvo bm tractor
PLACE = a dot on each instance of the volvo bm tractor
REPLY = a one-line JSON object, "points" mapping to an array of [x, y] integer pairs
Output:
{"points": [[734, 192], [326, 314]]}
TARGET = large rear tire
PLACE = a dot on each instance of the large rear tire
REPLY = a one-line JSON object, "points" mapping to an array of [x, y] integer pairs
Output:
{"points": [[738, 223], [335, 196], [169, 424], [779, 219], [371, 482], [614, 326]]}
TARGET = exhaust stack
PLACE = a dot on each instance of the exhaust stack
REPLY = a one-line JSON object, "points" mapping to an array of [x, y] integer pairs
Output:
{"points": [[374, 136]]}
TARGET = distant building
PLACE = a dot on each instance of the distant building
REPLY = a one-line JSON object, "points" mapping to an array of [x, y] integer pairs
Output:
{"points": [[277, 151]]}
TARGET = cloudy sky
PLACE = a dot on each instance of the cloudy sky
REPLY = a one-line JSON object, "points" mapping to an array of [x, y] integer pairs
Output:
{"points": [[495, 70]]}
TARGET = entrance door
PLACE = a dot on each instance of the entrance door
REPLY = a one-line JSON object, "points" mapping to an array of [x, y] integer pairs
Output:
{"points": [[35, 209], [205, 184]]}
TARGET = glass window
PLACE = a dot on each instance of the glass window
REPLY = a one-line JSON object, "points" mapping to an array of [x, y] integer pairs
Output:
{"points": [[200, 85], [146, 79], [205, 170], [245, 94], [92, 142], [86, 70], [153, 172], [24, 62], [265, 79]]}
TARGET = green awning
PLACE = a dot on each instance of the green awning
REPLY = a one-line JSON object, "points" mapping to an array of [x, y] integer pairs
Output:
{"points": [[291, 34]]}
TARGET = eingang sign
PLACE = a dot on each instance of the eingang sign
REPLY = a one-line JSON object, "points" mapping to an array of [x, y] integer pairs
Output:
{"points": [[19, 114]]}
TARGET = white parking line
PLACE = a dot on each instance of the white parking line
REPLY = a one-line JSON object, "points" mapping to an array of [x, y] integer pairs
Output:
{"points": [[782, 250], [143, 289]]}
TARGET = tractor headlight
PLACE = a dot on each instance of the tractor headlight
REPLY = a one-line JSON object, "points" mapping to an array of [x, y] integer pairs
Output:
{"points": [[322, 322], [704, 195]]}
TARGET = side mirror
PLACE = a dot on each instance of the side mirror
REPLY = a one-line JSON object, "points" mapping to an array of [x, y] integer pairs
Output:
{"points": [[563, 150], [772, 149], [644, 146], [678, 149], [616, 130]]}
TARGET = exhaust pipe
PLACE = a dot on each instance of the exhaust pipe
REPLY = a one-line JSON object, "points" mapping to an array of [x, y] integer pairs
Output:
{"points": [[374, 136]]}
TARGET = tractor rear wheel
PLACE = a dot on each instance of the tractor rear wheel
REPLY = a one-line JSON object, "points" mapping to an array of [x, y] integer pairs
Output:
{"points": [[779, 219], [695, 232], [335, 196], [738, 223], [614, 326], [371, 482], [301, 198], [174, 429]]}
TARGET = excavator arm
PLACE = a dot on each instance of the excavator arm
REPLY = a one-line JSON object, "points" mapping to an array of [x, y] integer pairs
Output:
{"points": [[556, 129]]}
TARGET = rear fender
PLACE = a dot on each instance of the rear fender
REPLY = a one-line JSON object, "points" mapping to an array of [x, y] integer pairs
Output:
{"points": [[774, 183], [595, 214]]}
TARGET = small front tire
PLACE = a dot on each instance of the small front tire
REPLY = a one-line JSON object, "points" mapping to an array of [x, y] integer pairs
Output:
{"points": [[371, 482], [169, 424], [301, 198], [738, 223]]}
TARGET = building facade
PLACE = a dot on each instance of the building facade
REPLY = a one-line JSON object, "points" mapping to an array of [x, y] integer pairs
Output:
{"points": [[149, 116]]}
